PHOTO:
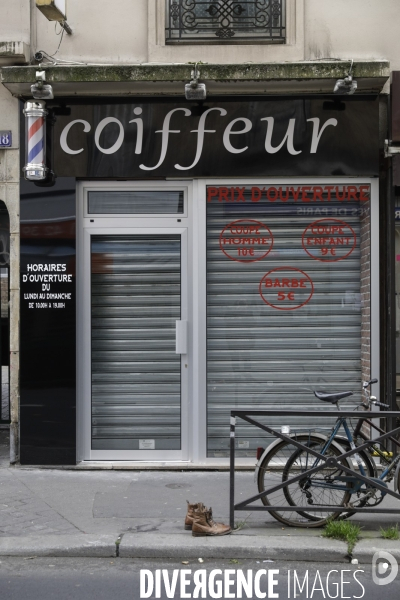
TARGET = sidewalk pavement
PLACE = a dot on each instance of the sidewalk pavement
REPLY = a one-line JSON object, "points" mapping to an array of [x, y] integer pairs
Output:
{"points": [[140, 514]]}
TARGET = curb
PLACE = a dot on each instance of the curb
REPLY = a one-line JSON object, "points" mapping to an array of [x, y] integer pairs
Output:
{"points": [[365, 549], [181, 547], [79, 545], [175, 546]]}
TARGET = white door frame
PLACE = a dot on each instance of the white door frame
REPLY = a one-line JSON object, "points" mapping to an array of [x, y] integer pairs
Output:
{"points": [[88, 225]]}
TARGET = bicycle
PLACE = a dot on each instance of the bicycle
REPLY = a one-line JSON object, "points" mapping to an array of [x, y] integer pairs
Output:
{"points": [[331, 485]]}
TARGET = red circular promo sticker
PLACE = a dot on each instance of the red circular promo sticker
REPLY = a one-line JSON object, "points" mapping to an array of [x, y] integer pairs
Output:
{"points": [[329, 240], [286, 288], [246, 240]]}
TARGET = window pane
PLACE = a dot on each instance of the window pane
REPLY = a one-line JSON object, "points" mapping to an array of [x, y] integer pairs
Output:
{"points": [[135, 202]]}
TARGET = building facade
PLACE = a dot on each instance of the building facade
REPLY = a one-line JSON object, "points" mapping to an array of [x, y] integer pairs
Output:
{"points": [[193, 250]]}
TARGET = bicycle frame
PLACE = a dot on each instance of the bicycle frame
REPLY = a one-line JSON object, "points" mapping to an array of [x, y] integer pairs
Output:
{"points": [[357, 484], [358, 432], [341, 421]]}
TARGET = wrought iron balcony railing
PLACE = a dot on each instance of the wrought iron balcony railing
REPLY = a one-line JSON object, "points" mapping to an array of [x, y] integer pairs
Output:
{"points": [[225, 21]]}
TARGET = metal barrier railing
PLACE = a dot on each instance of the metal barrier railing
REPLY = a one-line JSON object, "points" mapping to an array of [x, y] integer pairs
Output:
{"points": [[323, 460]]}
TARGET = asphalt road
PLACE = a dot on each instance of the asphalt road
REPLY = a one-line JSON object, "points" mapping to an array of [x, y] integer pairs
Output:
{"points": [[101, 579]]}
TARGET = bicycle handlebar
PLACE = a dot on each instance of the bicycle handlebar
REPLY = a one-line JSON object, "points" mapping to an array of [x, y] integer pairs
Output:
{"points": [[380, 404], [368, 383], [375, 402]]}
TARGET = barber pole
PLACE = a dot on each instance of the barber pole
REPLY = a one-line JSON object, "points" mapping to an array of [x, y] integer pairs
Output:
{"points": [[35, 114]]}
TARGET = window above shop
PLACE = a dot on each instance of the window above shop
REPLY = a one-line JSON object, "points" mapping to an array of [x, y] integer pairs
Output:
{"points": [[225, 21]]}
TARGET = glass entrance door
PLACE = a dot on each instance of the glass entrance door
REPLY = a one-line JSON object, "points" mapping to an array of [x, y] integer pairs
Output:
{"points": [[137, 344]]}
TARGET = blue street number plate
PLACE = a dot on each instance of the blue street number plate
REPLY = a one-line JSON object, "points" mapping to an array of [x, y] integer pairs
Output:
{"points": [[5, 139]]}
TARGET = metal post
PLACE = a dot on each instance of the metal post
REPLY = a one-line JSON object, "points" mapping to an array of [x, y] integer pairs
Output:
{"points": [[232, 474], [392, 181]]}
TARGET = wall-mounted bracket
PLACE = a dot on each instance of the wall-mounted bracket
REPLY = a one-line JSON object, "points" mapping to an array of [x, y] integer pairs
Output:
{"points": [[391, 149]]}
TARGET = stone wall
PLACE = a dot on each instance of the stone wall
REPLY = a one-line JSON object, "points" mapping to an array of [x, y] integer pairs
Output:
{"points": [[9, 194]]}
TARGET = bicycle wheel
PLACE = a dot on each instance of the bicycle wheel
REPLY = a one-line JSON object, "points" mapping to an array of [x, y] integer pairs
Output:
{"points": [[324, 488], [361, 497], [285, 461], [397, 477]]}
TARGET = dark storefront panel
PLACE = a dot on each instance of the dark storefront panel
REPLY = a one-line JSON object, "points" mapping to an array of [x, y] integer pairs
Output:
{"points": [[48, 324], [4, 311], [146, 138], [397, 294]]}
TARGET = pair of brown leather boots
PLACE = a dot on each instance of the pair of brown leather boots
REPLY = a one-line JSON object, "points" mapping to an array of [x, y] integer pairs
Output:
{"points": [[200, 521]]}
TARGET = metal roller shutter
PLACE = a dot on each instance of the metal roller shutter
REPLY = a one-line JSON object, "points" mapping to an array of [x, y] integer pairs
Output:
{"points": [[136, 374], [263, 352]]}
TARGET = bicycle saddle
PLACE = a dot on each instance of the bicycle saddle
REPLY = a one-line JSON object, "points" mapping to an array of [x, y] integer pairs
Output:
{"points": [[332, 397]]}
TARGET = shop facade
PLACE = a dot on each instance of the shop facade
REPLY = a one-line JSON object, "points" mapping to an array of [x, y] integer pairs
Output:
{"points": [[191, 258]]}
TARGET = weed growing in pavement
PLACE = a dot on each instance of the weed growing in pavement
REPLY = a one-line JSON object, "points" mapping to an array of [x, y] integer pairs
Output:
{"points": [[240, 524], [391, 532], [344, 531]]}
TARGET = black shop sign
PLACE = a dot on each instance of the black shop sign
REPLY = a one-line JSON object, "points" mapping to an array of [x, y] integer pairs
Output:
{"points": [[143, 138]]}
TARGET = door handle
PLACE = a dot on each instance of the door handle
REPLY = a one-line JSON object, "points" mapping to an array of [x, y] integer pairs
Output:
{"points": [[181, 337]]}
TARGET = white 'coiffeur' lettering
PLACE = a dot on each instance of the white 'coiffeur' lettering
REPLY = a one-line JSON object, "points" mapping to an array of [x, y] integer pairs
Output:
{"points": [[288, 139], [165, 131], [139, 124], [317, 132], [201, 130], [99, 129], [65, 132], [228, 132]]}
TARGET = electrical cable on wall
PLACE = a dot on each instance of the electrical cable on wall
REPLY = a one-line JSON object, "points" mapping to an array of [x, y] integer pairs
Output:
{"points": [[40, 54], [61, 33]]}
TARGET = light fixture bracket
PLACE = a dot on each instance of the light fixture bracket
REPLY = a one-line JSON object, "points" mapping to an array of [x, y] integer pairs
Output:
{"points": [[195, 90], [42, 90], [346, 86]]}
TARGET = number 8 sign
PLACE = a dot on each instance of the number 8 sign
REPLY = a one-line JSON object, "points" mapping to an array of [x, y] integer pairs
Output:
{"points": [[5, 139]]}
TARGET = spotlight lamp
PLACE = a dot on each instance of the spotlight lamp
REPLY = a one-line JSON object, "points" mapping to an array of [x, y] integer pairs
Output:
{"points": [[55, 10], [195, 90], [41, 90], [346, 86]]}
